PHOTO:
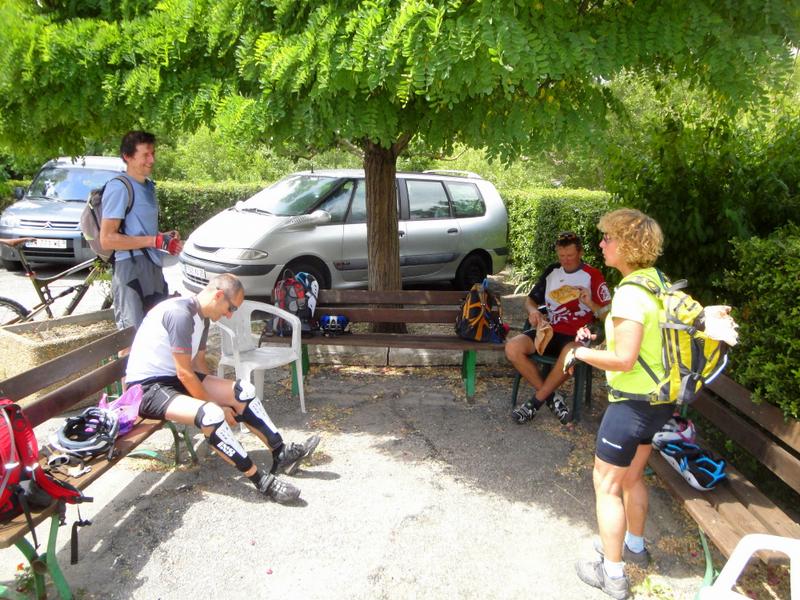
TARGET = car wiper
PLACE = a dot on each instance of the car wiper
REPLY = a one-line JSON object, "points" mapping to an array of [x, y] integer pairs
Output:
{"points": [[259, 211], [42, 197]]}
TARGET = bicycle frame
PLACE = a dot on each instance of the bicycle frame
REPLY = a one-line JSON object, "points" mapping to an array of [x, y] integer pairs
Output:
{"points": [[42, 285]]}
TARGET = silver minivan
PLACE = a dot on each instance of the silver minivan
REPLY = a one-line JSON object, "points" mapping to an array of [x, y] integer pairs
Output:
{"points": [[50, 210], [453, 226]]}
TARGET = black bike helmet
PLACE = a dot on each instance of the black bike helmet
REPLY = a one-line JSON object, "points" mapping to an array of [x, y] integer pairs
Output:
{"points": [[91, 433]]}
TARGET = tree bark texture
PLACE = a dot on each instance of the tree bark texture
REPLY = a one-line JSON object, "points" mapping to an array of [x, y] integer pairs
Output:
{"points": [[383, 240]]}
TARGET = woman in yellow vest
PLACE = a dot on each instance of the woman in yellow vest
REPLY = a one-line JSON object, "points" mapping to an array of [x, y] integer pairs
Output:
{"points": [[631, 243]]}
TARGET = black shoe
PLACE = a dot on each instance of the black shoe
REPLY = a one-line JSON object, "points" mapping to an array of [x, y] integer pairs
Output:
{"points": [[524, 413], [593, 574], [640, 559], [559, 407], [291, 455], [275, 489]]}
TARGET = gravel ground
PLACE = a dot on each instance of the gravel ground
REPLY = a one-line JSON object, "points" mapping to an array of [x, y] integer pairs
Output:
{"points": [[412, 494]]}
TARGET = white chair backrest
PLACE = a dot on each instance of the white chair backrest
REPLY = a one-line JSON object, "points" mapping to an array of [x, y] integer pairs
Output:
{"points": [[240, 322]]}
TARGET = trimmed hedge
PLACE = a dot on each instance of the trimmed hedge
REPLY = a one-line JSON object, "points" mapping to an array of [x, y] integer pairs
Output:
{"points": [[537, 215], [764, 289], [184, 206]]}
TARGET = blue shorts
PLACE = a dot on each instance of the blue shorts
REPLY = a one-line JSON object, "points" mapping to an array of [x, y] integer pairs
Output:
{"points": [[625, 426]]}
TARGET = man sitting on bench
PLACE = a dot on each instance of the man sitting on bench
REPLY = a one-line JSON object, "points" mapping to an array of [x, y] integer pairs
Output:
{"points": [[168, 359], [573, 294]]}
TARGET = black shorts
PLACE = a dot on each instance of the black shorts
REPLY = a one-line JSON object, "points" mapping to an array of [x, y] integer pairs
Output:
{"points": [[556, 343], [626, 425], [158, 392]]}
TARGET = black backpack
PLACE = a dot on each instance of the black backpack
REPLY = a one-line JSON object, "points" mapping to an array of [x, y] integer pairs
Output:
{"points": [[481, 317]]}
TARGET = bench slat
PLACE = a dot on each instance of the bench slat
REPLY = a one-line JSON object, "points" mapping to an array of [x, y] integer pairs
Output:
{"points": [[53, 371], [760, 506], [442, 297], [66, 396], [18, 527], [399, 340], [391, 315], [769, 453], [701, 510], [767, 416]]}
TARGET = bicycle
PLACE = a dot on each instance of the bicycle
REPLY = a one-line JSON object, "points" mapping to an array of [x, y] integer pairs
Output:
{"points": [[12, 312]]}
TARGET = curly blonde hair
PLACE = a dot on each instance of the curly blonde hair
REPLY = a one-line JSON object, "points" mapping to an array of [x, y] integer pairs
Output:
{"points": [[639, 238]]}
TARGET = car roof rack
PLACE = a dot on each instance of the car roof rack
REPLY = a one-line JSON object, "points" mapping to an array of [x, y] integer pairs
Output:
{"points": [[468, 174]]}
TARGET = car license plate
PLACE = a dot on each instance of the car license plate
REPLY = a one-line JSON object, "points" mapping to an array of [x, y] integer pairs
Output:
{"points": [[46, 243], [195, 271]]}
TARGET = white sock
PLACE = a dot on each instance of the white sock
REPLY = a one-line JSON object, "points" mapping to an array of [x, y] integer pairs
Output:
{"points": [[613, 570]]}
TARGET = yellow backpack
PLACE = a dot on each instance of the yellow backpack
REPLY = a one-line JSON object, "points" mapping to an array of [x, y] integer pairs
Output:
{"points": [[690, 358]]}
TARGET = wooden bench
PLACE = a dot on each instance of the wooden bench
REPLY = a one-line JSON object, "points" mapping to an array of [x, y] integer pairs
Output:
{"points": [[736, 507], [102, 352], [406, 306]]}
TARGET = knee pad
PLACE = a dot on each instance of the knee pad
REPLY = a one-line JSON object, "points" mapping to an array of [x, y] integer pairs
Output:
{"points": [[244, 391], [221, 436], [209, 415]]}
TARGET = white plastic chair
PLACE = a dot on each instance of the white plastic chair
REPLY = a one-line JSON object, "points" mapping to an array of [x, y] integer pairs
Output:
{"points": [[747, 546], [239, 348]]}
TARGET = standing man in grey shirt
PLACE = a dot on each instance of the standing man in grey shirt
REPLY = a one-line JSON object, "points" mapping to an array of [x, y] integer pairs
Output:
{"points": [[131, 230]]}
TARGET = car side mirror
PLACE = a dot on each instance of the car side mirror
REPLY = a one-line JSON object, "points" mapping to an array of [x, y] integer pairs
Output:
{"points": [[318, 217], [19, 193]]}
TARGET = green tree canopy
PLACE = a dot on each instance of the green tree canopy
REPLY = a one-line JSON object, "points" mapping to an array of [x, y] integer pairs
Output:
{"points": [[370, 75]]}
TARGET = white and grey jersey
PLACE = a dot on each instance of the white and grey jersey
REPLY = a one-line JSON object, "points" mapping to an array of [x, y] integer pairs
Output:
{"points": [[173, 326]]}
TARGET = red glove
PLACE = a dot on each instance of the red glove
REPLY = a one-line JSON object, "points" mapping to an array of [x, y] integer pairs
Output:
{"points": [[168, 243]]}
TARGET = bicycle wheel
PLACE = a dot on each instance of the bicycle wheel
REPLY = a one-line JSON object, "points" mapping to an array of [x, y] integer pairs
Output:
{"points": [[11, 312]]}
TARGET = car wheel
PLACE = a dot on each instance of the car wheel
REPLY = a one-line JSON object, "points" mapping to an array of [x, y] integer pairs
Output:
{"points": [[12, 265], [472, 270], [311, 269]]}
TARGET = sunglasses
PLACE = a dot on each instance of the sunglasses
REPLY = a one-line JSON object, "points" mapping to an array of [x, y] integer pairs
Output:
{"points": [[565, 238], [231, 307]]}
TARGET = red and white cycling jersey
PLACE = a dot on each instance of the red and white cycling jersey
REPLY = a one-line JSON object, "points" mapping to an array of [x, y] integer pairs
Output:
{"points": [[558, 291]]}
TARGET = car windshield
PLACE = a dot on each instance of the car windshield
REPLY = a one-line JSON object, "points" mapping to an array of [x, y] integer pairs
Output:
{"points": [[295, 195], [68, 184]]}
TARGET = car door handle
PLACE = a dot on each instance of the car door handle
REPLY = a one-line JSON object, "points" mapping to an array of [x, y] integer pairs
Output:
{"points": [[452, 230], [401, 233]]}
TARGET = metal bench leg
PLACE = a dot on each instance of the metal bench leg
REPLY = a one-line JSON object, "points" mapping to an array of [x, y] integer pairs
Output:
{"points": [[468, 360], [306, 362], [711, 573], [295, 386], [41, 565]]}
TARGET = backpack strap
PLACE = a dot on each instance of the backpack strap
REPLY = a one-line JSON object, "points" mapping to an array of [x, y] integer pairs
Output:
{"points": [[655, 289], [128, 208]]}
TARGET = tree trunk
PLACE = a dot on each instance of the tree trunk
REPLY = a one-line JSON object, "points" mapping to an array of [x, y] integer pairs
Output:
{"points": [[383, 240]]}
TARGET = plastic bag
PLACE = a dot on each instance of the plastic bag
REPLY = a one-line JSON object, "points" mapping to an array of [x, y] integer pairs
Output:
{"points": [[126, 407]]}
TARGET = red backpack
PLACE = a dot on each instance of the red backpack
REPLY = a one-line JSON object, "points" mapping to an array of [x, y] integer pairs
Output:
{"points": [[289, 294], [20, 472]]}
